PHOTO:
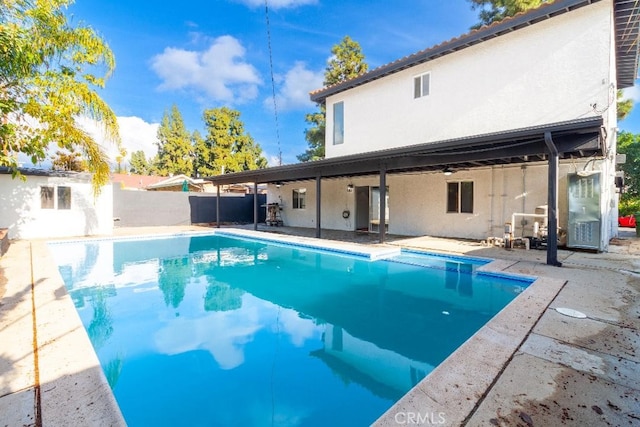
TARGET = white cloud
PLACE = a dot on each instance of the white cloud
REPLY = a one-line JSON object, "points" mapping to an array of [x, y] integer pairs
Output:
{"points": [[135, 134], [296, 85], [632, 93], [220, 71], [272, 160], [278, 4]]}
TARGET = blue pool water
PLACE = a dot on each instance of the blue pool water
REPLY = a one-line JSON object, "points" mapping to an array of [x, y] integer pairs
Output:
{"points": [[214, 330]]}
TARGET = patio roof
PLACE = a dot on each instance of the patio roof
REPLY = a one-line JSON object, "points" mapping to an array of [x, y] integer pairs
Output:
{"points": [[576, 138], [627, 16]]}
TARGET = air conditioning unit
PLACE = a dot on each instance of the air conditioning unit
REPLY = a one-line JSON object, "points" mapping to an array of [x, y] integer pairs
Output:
{"points": [[584, 211]]}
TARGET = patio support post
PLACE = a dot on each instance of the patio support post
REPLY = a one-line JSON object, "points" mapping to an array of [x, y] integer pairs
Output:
{"points": [[383, 203], [217, 205], [552, 202], [255, 206], [318, 203]]}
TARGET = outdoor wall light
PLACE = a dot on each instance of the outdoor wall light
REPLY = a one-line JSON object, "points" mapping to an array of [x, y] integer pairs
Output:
{"points": [[447, 171], [349, 188]]}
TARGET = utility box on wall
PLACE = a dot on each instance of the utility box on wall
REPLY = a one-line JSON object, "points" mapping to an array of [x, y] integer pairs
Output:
{"points": [[584, 211]]}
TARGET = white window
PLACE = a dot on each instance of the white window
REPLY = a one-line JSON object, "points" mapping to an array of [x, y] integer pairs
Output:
{"points": [[338, 123], [55, 198], [46, 198], [460, 197], [421, 85], [299, 198], [64, 197]]}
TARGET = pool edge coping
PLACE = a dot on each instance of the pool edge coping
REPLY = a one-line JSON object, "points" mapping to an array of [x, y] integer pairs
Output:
{"points": [[452, 392], [74, 390]]}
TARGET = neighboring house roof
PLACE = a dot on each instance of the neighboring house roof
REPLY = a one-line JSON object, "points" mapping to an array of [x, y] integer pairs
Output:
{"points": [[176, 182], [580, 137], [132, 181], [626, 29]]}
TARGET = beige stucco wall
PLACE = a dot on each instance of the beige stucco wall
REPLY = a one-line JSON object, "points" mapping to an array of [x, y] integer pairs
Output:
{"points": [[417, 201], [21, 213]]}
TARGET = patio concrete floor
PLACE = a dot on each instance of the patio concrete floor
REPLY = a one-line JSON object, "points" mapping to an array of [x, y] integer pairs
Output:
{"points": [[564, 371]]}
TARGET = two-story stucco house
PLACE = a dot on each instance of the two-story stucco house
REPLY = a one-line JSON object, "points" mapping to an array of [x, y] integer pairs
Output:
{"points": [[511, 123]]}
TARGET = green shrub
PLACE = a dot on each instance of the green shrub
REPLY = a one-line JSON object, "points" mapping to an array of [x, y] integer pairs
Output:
{"points": [[629, 207]]}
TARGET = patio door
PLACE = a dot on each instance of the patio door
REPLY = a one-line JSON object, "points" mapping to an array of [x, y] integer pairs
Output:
{"points": [[374, 210], [362, 208]]}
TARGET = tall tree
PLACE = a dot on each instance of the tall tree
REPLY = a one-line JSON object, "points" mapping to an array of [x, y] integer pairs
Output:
{"points": [[629, 144], [227, 147], [48, 75], [69, 161], [175, 154], [496, 10], [624, 105], [139, 163], [347, 62], [200, 150], [314, 136]]}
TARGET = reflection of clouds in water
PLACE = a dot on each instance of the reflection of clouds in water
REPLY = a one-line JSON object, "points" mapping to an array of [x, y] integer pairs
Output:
{"points": [[134, 274], [225, 333], [93, 264], [222, 333], [297, 328]]}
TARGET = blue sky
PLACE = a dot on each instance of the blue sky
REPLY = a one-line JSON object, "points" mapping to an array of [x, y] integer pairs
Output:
{"points": [[203, 54]]}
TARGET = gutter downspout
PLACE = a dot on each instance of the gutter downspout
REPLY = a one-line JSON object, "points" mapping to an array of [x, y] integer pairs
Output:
{"points": [[552, 201]]}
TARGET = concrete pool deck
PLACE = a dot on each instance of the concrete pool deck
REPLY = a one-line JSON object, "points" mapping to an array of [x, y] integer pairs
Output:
{"points": [[531, 366]]}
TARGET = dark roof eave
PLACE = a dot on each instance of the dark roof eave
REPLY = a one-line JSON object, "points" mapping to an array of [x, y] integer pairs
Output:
{"points": [[627, 29]]}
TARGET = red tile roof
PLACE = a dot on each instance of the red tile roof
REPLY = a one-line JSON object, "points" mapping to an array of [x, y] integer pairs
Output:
{"points": [[134, 181]]}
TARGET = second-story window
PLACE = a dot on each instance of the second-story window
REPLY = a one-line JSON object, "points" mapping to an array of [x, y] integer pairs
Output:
{"points": [[421, 85], [299, 198], [338, 123]]}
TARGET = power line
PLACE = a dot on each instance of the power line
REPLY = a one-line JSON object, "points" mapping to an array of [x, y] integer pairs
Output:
{"points": [[273, 82]]}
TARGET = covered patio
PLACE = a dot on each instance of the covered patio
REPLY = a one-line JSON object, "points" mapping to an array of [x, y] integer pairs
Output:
{"points": [[565, 140]]}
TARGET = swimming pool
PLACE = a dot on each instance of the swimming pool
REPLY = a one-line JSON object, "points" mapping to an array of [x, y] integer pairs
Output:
{"points": [[214, 330]]}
